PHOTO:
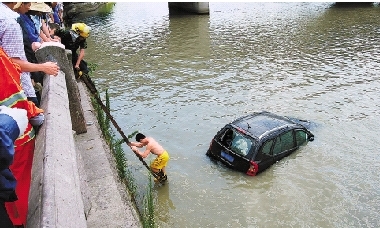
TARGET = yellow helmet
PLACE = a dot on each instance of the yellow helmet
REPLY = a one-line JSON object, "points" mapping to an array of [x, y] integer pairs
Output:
{"points": [[81, 29]]}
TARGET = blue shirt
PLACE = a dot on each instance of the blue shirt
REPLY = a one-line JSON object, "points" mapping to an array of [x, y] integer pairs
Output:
{"points": [[55, 15], [9, 132], [29, 27]]}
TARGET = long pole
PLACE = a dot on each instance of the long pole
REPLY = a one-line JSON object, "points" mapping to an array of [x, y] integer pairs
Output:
{"points": [[90, 85]]}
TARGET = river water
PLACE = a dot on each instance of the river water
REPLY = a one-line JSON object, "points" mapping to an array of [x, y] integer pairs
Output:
{"points": [[180, 78]]}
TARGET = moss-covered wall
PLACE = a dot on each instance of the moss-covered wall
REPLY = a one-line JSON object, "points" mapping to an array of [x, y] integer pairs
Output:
{"points": [[74, 10]]}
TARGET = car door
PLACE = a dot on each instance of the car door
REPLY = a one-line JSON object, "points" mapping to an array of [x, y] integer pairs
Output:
{"points": [[264, 157], [284, 145]]}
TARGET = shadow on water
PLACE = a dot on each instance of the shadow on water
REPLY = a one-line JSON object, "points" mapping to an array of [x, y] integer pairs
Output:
{"points": [[353, 4], [175, 11], [163, 199]]}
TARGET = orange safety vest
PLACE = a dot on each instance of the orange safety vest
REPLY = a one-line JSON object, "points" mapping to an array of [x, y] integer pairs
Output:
{"points": [[12, 95]]}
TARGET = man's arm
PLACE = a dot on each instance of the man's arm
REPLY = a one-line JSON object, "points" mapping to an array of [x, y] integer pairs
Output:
{"points": [[43, 35], [48, 67], [137, 144], [142, 154], [80, 57]]}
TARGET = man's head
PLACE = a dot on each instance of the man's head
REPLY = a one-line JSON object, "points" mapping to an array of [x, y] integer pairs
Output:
{"points": [[53, 27], [81, 29], [22, 7], [140, 137], [11, 5]]}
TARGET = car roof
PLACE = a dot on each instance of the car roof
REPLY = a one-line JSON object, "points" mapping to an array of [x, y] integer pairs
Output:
{"points": [[259, 124]]}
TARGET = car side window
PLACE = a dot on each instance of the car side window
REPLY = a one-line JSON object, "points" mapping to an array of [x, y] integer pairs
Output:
{"points": [[265, 150], [283, 143], [301, 137]]}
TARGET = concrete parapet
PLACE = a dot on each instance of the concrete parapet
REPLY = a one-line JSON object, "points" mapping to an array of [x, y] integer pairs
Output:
{"points": [[55, 53], [55, 194]]}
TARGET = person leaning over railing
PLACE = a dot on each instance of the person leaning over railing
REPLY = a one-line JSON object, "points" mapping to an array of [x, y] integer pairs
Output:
{"points": [[74, 39], [11, 40], [41, 19], [32, 40], [12, 95]]}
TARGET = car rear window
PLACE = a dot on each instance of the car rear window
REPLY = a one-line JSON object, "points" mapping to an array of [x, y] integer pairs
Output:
{"points": [[241, 144]]}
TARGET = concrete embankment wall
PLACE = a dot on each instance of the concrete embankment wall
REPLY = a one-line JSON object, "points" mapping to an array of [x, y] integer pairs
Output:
{"points": [[74, 183]]}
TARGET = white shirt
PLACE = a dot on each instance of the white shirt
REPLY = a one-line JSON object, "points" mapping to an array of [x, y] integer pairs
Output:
{"points": [[11, 40]]}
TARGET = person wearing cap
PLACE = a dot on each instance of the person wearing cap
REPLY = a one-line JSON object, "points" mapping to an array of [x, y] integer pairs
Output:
{"points": [[11, 40], [74, 39], [26, 22], [40, 15]]}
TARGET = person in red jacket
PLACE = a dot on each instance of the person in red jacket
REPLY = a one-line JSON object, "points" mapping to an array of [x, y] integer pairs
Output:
{"points": [[12, 94]]}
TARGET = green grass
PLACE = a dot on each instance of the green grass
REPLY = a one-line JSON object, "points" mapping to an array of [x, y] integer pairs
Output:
{"points": [[148, 213], [125, 175]]}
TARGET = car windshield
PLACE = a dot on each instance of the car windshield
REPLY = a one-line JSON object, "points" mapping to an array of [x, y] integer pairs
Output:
{"points": [[240, 143]]}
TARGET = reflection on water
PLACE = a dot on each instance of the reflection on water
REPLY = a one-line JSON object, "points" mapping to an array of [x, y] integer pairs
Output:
{"points": [[181, 78], [166, 204]]}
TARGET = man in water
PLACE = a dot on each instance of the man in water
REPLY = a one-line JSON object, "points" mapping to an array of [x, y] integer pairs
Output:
{"points": [[152, 146]]}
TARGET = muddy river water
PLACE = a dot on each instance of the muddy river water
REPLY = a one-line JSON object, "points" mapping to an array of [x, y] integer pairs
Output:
{"points": [[180, 78]]}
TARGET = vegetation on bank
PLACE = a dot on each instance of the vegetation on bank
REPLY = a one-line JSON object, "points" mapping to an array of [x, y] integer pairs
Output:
{"points": [[125, 175]]}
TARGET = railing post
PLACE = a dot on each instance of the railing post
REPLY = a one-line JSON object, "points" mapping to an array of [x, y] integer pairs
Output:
{"points": [[59, 55]]}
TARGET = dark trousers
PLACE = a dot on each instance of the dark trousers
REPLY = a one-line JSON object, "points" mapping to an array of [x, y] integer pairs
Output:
{"points": [[5, 222]]}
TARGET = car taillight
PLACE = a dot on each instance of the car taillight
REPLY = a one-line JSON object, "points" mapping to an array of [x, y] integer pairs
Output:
{"points": [[211, 143], [253, 168]]}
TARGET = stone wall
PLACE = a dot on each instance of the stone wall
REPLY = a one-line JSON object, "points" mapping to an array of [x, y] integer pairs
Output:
{"points": [[73, 10]]}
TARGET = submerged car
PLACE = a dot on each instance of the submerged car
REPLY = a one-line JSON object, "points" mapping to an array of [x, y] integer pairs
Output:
{"points": [[253, 143]]}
